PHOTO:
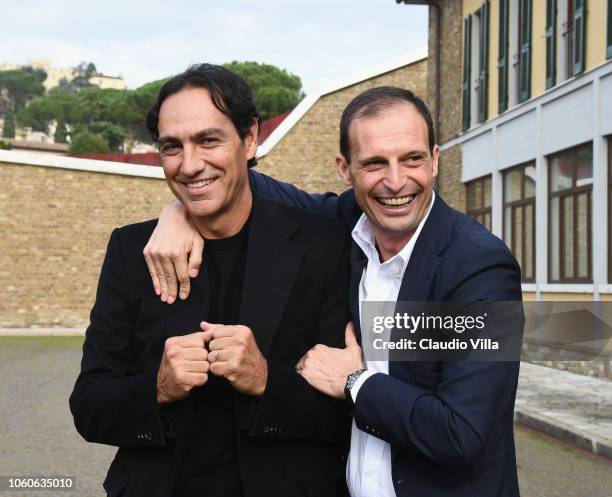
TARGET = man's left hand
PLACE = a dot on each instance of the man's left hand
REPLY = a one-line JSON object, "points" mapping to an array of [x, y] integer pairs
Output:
{"points": [[234, 354], [327, 368]]}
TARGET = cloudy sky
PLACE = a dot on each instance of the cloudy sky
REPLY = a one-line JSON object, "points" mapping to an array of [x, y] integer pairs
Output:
{"points": [[319, 40]]}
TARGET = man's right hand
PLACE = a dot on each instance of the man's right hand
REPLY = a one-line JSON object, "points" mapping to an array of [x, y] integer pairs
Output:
{"points": [[184, 365], [174, 252]]}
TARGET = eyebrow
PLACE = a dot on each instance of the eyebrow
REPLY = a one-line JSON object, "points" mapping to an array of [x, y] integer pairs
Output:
{"points": [[377, 158], [197, 137]]}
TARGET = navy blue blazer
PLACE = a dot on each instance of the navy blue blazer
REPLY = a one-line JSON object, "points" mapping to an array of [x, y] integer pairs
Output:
{"points": [[450, 424]]}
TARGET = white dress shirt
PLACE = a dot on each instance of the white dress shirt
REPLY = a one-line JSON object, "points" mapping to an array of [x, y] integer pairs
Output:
{"points": [[368, 472]]}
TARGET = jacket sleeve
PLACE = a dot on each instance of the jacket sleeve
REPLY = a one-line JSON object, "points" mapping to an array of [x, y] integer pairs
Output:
{"points": [[290, 407], [291, 196], [114, 401], [452, 424]]}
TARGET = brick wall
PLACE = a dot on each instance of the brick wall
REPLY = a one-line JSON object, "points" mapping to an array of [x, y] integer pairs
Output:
{"points": [[305, 156], [55, 226], [451, 77], [450, 186]]}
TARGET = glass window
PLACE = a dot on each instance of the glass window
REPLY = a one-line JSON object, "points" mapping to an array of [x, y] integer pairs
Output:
{"points": [[570, 217], [519, 216], [478, 195]]}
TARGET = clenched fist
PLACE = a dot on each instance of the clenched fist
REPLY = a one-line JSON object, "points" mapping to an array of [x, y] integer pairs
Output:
{"points": [[234, 354], [184, 365]]}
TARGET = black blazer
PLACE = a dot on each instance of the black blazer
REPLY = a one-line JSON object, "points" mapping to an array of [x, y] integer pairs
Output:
{"points": [[293, 440], [450, 424]]}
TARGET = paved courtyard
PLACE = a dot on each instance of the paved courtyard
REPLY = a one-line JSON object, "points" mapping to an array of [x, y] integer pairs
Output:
{"points": [[38, 437]]}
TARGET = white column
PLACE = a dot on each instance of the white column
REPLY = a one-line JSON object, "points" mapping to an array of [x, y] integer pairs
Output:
{"points": [[541, 208], [600, 193], [497, 196]]}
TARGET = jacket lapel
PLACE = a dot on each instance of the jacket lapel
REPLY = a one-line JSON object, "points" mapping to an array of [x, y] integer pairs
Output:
{"points": [[271, 268], [358, 263], [425, 259]]}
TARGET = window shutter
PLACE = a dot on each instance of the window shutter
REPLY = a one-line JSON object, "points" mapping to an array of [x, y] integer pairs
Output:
{"points": [[525, 51], [502, 60], [467, 69], [483, 92], [609, 16], [579, 35], [551, 43]]}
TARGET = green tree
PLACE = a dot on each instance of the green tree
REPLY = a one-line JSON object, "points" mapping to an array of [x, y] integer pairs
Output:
{"points": [[113, 134], [19, 86], [8, 130], [274, 89], [61, 133], [88, 143]]}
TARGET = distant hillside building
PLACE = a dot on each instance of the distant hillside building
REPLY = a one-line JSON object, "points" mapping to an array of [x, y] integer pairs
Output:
{"points": [[56, 74]]}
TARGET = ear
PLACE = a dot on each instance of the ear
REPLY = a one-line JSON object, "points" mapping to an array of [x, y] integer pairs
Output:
{"points": [[343, 170], [434, 163], [250, 140]]}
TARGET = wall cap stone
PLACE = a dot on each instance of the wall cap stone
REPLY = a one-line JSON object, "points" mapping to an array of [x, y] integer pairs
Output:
{"points": [[78, 164]]}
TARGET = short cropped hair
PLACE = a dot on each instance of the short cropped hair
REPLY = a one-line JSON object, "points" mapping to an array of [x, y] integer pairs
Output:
{"points": [[230, 93], [372, 102]]}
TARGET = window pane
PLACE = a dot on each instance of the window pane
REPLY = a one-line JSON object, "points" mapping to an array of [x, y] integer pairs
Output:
{"points": [[487, 191], [568, 237], [528, 269], [582, 218], [474, 195], [555, 243], [512, 185], [584, 164], [562, 173], [508, 227], [518, 233], [530, 179]]}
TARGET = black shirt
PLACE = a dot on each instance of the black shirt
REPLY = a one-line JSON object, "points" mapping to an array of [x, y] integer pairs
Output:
{"points": [[210, 464]]}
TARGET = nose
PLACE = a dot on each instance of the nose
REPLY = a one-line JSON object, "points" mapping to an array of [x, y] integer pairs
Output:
{"points": [[395, 178], [193, 162]]}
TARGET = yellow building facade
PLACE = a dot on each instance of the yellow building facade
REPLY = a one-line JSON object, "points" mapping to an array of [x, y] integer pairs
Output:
{"points": [[522, 90]]}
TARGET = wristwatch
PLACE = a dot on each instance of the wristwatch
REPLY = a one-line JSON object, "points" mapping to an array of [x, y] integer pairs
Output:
{"points": [[351, 379]]}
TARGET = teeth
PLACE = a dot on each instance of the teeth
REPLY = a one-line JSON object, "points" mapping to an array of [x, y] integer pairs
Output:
{"points": [[200, 184], [400, 201]]}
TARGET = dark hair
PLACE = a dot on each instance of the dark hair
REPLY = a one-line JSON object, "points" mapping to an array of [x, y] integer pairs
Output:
{"points": [[375, 100], [229, 92]]}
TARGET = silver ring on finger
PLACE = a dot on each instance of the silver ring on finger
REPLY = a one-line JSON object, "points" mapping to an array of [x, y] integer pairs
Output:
{"points": [[214, 355], [162, 276]]}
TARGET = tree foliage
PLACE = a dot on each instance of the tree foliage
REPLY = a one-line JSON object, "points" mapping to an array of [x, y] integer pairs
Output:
{"points": [[274, 90], [117, 116], [88, 143], [19, 86], [8, 130]]}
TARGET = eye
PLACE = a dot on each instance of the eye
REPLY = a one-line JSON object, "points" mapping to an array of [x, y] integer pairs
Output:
{"points": [[414, 160], [170, 149], [208, 141], [373, 165]]}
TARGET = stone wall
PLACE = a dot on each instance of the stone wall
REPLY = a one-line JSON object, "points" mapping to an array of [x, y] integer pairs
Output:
{"points": [[55, 226], [305, 156]]}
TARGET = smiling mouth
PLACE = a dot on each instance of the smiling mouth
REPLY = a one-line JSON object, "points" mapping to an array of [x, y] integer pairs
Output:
{"points": [[196, 185], [396, 202]]}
